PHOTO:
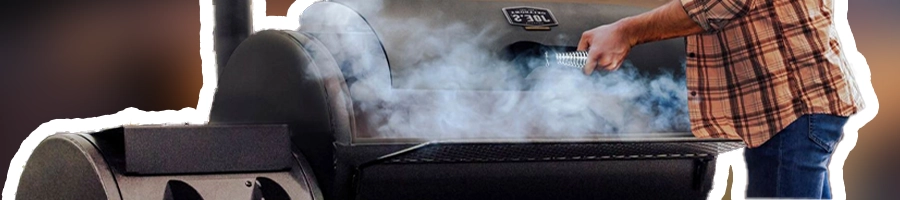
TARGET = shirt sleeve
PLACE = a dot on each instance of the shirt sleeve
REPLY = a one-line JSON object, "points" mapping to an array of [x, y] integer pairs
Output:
{"points": [[715, 14]]}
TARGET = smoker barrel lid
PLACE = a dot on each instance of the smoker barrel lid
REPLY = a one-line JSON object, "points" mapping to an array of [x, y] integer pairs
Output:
{"points": [[426, 70], [415, 34]]}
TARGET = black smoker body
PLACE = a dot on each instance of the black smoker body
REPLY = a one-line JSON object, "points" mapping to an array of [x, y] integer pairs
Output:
{"points": [[285, 124]]}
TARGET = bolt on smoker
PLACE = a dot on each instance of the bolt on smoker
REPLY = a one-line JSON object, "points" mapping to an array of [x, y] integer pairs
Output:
{"points": [[338, 110]]}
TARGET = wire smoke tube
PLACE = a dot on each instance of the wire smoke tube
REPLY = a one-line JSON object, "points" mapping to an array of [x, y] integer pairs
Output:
{"points": [[573, 59]]}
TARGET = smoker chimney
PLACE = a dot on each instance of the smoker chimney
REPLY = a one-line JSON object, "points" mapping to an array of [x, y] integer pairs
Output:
{"points": [[234, 23]]}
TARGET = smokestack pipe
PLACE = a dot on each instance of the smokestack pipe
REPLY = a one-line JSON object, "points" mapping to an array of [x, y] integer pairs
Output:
{"points": [[234, 23]]}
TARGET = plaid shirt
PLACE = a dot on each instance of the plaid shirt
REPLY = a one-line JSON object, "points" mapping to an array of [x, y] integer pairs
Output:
{"points": [[761, 64]]}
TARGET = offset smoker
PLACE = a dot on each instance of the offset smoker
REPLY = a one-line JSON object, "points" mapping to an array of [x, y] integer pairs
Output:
{"points": [[310, 114]]}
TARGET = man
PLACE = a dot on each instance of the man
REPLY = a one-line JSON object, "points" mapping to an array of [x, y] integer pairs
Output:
{"points": [[770, 72]]}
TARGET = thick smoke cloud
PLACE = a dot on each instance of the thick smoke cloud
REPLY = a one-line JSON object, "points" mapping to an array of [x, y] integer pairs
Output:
{"points": [[461, 90]]}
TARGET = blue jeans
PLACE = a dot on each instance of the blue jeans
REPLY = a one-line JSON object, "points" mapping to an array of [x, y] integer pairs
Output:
{"points": [[794, 163]]}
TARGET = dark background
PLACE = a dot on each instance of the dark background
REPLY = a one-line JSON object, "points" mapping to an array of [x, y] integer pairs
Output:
{"points": [[60, 59]]}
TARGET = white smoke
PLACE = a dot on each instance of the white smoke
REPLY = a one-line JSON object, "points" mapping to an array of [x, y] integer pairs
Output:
{"points": [[461, 89]]}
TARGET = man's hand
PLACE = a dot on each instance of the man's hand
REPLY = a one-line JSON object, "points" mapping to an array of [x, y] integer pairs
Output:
{"points": [[606, 46]]}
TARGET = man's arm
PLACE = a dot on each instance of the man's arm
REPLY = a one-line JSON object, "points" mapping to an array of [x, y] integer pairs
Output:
{"points": [[608, 45]]}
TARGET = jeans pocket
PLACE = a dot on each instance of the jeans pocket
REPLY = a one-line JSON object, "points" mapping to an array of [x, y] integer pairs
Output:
{"points": [[826, 130]]}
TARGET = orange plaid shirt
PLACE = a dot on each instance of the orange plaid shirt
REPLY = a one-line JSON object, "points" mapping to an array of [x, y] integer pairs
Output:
{"points": [[761, 64]]}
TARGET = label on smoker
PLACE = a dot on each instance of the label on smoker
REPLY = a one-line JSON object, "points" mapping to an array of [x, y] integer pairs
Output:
{"points": [[532, 18]]}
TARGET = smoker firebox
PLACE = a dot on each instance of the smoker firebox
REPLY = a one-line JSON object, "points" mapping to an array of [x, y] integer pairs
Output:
{"points": [[348, 107]]}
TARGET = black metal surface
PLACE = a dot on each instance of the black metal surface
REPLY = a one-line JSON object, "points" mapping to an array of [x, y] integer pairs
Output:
{"points": [[610, 179], [206, 149], [556, 151], [675, 169], [349, 157], [66, 166], [92, 166], [279, 77]]}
